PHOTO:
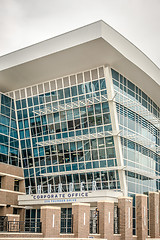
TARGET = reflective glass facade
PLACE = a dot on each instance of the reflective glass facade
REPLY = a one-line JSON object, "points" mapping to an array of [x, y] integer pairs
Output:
{"points": [[140, 135], [65, 135], [9, 143], [67, 138]]}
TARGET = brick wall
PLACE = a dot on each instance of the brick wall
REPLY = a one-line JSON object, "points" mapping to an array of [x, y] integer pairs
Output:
{"points": [[9, 197]]}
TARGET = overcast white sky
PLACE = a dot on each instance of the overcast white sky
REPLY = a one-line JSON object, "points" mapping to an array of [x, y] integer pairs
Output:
{"points": [[25, 22]]}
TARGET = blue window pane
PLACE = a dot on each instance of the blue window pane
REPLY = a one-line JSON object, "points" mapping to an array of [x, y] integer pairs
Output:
{"points": [[115, 75], [21, 134], [41, 99], [68, 167], [49, 169], [20, 124], [95, 164], [5, 100], [35, 151], [102, 84], [3, 149], [26, 125], [95, 85], [5, 110], [81, 166], [4, 120], [60, 94], [24, 103], [88, 165], [88, 87], [54, 96], [47, 97], [23, 144], [18, 105], [74, 91], [55, 169], [30, 103], [13, 114], [61, 168], [19, 113], [35, 100], [4, 129], [67, 92], [31, 114], [27, 133], [25, 115], [13, 124], [13, 133], [74, 166], [26, 174], [103, 163], [81, 89], [4, 139]]}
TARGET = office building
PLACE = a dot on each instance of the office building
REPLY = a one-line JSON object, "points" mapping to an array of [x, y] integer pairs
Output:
{"points": [[80, 114]]}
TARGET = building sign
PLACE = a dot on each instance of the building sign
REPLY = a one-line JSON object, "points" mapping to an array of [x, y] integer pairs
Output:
{"points": [[68, 197], [60, 195]]}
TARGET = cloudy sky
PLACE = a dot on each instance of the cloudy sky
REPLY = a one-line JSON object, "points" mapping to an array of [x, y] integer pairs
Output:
{"points": [[25, 22]]}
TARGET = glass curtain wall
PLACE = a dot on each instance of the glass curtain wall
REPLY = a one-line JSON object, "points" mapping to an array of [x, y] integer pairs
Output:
{"points": [[140, 135], [65, 129], [9, 144]]}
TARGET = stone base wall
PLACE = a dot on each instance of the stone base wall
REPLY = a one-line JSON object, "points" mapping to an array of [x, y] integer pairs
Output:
{"points": [[51, 220]]}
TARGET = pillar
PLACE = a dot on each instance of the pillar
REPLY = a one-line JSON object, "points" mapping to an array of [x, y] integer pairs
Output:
{"points": [[154, 214], [81, 219], [21, 212], [106, 219], [13, 222], [141, 217], [51, 220], [125, 221]]}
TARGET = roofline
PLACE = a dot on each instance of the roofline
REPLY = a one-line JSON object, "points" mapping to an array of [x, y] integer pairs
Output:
{"points": [[21, 68], [77, 29], [87, 25]]}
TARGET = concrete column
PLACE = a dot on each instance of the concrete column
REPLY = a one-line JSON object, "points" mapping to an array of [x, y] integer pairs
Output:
{"points": [[115, 128], [141, 217], [154, 214], [106, 219], [51, 220], [81, 219], [125, 221]]}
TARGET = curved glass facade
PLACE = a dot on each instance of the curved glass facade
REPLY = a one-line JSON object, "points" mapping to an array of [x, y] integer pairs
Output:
{"points": [[9, 143], [140, 135], [67, 136]]}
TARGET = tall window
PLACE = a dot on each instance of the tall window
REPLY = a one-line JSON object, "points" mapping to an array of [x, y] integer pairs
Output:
{"points": [[32, 220], [66, 220], [16, 185]]}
